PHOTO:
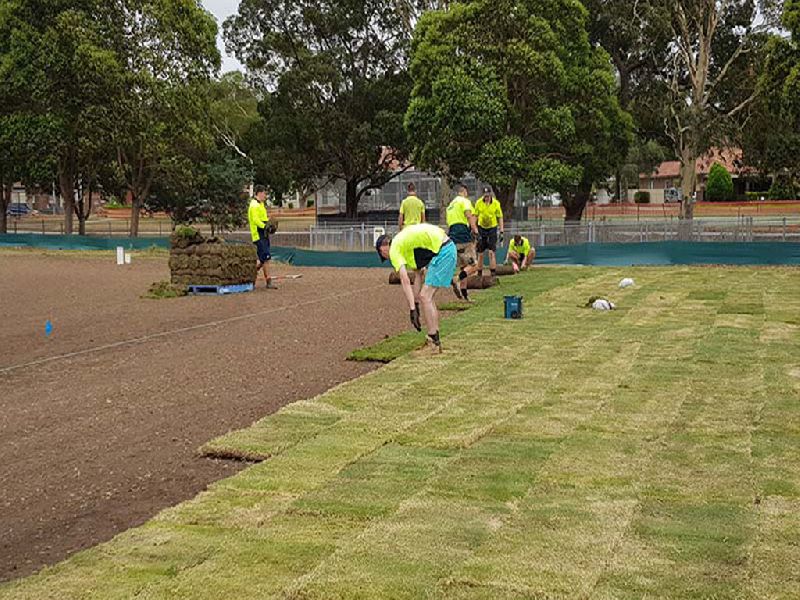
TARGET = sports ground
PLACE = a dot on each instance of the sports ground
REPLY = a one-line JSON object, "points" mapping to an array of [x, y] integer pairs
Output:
{"points": [[648, 452]]}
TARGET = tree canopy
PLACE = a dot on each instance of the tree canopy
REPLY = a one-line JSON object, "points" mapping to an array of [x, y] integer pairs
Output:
{"points": [[335, 89], [525, 99]]}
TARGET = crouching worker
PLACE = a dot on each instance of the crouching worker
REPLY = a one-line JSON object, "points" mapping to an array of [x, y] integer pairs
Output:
{"points": [[520, 253], [414, 248]]}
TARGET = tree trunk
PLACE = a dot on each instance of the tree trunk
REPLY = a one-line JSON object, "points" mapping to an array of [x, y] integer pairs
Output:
{"points": [[136, 208], [575, 203], [506, 195], [81, 219], [5, 201], [444, 197], [84, 210], [351, 199], [67, 185], [688, 182]]}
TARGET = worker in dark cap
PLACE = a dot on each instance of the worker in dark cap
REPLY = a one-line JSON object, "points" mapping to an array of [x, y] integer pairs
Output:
{"points": [[489, 214]]}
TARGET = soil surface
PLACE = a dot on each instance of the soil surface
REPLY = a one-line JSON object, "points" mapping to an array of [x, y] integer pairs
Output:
{"points": [[102, 431]]}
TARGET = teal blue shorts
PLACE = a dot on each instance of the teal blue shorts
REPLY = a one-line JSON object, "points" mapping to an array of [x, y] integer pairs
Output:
{"points": [[442, 267]]}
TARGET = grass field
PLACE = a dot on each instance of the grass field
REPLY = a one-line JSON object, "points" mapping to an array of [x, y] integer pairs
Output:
{"points": [[650, 452]]}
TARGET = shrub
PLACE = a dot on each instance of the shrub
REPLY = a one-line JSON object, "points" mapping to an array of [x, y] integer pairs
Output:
{"points": [[185, 232], [755, 196], [641, 197], [783, 188], [309, 203], [719, 187]]}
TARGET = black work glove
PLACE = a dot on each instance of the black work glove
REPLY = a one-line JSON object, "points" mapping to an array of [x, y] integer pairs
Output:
{"points": [[502, 238], [414, 314]]}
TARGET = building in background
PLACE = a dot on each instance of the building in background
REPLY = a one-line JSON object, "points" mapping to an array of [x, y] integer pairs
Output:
{"points": [[664, 183]]}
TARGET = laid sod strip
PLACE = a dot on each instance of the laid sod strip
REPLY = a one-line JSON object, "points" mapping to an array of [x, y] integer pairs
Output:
{"points": [[650, 451], [532, 282]]}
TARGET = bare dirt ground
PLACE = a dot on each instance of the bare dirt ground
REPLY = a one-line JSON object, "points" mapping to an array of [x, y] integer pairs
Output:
{"points": [[96, 442]]}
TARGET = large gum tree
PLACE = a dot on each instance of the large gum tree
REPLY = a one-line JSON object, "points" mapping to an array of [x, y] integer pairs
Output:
{"points": [[512, 91]]}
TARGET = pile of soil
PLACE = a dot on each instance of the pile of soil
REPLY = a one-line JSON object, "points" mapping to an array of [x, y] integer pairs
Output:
{"points": [[197, 260]]}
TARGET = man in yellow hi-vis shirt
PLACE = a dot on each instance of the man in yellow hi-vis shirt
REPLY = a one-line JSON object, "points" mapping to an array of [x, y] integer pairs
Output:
{"points": [[462, 229], [412, 209], [520, 253], [490, 215], [418, 247], [259, 222]]}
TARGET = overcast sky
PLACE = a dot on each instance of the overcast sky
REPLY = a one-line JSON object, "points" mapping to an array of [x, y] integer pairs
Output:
{"points": [[222, 9]]}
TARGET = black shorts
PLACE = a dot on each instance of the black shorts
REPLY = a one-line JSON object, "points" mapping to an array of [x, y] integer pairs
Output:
{"points": [[487, 239], [263, 249]]}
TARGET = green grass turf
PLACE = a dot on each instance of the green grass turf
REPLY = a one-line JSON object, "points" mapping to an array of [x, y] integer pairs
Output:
{"points": [[649, 452], [394, 347]]}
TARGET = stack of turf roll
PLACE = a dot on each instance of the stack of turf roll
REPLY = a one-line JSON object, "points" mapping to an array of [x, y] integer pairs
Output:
{"points": [[198, 260]]}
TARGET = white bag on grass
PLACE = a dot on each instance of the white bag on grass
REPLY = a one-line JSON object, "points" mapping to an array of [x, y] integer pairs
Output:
{"points": [[602, 304]]}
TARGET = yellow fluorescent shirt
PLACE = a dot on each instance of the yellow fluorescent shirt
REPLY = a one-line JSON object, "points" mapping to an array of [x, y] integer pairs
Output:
{"points": [[522, 249], [488, 214], [457, 211], [412, 209], [415, 246], [256, 217]]}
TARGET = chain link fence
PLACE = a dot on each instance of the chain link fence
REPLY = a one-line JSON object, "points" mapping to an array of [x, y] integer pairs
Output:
{"points": [[360, 236]]}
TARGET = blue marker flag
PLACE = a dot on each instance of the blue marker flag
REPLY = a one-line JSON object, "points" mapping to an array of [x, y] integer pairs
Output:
{"points": [[48, 328]]}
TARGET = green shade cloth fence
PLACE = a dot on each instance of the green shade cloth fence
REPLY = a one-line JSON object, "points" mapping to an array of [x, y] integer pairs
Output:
{"points": [[613, 255]]}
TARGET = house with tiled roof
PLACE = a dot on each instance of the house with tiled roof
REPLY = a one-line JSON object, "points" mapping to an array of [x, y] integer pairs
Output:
{"points": [[666, 177]]}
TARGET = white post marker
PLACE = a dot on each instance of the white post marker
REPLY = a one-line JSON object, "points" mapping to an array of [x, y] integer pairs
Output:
{"points": [[376, 233], [120, 255], [127, 258]]}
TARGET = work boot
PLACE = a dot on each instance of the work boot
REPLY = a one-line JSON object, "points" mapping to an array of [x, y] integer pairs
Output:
{"points": [[270, 285], [434, 342]]}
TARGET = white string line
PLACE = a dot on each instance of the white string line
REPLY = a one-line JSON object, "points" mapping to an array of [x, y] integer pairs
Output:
{"points": [[153, 336]]}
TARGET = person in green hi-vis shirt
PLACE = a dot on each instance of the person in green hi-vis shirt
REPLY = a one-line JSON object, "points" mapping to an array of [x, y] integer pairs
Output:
{"points": [[463, 231], [489, 215], [418, 247], [258, 219], [412, 209], [520, 253]]}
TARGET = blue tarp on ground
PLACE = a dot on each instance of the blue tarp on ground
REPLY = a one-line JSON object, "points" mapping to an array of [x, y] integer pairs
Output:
{"points": [[618, 255]]}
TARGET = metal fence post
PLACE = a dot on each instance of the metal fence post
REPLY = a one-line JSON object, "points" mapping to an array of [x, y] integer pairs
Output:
{"points": [[542, 236], [784, 229]]}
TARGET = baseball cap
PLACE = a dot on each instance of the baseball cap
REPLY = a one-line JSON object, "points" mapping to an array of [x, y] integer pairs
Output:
{"points": [[487, 190], [384, 239]]}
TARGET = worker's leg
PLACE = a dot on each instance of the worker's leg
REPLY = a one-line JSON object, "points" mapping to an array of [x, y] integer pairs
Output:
{"points": [[429, 309], [440, 275], [469, 265], [419, 279], [514, 259], [265, 255], [530, 258]]}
